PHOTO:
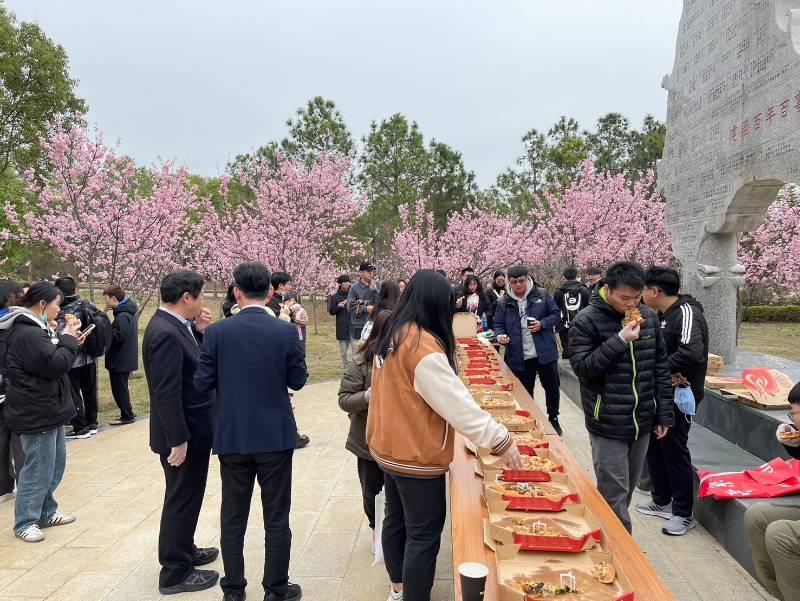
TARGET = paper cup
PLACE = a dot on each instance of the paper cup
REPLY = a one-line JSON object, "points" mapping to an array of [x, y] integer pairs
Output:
{"points": [[473, 580]]}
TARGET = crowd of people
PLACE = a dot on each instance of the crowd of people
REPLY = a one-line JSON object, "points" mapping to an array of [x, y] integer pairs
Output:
{"points": [[225, 387]]}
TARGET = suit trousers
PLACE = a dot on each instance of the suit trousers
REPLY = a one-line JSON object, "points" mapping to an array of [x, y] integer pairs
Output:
{"points": [[11, 457], [122, 396], [84, 393], [183, 498], [274, 474]]}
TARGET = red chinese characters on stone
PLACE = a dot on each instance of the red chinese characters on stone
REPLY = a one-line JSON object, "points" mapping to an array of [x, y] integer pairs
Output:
{"points": [[757, 121], [733, 136], [745, 127], [784, 109], [770, 114]]}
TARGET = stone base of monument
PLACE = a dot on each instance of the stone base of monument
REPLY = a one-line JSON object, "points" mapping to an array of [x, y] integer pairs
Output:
{"points": [[725, 437]]}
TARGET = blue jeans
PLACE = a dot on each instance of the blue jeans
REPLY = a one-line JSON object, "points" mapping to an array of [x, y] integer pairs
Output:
{"points": [[45, 460]]}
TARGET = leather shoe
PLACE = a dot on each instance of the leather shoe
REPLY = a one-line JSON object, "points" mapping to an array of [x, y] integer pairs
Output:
{"points": [[302, 441], [234, 597], [198, 580], [293, 593], [204, 556]]}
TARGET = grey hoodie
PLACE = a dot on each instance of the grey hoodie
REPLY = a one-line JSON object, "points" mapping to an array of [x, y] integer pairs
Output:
{"points": [[528, 346]]}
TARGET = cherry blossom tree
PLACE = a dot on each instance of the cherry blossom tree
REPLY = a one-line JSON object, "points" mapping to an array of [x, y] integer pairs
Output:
{"points": [[771, 253], [600, 218], [472, 237], [91, 212], [299, 221]]}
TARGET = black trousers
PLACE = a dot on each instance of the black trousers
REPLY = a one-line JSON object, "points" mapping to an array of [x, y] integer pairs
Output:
{"points": [[274, 474], [548, 374], [183, 499], [11, 457], [84, 393], [371, 478], [564, 337], [412, 530], [670, 465], [119, 389]]}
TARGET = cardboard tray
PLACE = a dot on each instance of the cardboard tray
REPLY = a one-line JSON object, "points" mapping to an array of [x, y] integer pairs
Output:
{"points": [[547, 567], [577, 515], [492, 467], [491, 382], [538, 436], [719, 382], [555, 502], [525, 425]]}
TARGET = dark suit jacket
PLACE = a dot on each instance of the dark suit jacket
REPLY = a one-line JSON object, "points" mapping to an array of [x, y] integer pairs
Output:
{"points": [[178, 412], [251, 359]]}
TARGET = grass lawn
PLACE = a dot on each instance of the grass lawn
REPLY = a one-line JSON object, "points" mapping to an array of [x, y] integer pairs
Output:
{"points": [[322, 356], [779, 339]]}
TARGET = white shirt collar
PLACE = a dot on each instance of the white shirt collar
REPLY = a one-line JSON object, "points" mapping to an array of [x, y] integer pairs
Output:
{"points": [[183, 320], [263, 307]]}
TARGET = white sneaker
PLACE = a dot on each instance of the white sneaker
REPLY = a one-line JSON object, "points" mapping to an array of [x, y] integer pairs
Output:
{"points": [[395, 596], [58, 519], [31, 534]]}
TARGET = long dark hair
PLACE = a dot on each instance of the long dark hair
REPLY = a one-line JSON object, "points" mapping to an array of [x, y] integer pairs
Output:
{"points": [[387, 299], [369, 346], [468, 280], [427, 303]]}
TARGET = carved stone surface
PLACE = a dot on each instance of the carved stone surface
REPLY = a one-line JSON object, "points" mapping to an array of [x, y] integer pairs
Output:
{"points": [[733, 140]]}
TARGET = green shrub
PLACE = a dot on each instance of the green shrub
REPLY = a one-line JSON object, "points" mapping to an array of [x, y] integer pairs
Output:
{"points": [[761, 314]]}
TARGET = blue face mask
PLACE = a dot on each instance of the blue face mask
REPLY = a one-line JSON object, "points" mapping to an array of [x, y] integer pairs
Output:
{"points": [[684, 400]]}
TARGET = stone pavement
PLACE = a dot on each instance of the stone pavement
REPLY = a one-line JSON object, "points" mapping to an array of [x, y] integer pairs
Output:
{"points": [[114, 485]]}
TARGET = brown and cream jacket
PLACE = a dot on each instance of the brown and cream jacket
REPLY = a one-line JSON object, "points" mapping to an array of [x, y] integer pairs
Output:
{"points": [[416, 404]]}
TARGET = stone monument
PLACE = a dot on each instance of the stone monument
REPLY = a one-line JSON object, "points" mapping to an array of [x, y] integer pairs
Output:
{"points": [[733, 140]]}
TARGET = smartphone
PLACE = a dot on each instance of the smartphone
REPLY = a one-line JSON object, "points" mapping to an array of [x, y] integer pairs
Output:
{"points": [[87, 331]]}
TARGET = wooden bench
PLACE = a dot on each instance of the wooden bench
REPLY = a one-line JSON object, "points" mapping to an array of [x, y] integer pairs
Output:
{"points": [[467, 512]]}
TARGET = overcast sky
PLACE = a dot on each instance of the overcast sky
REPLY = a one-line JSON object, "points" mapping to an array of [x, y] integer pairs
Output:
{"points": [[203, 80]]}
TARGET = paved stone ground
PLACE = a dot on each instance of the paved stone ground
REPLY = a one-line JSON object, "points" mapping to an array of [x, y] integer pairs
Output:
{"points": [[114, 485]]}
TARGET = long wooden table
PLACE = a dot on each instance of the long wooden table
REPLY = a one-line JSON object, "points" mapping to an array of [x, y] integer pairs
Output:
{"points": [[467, 512]]}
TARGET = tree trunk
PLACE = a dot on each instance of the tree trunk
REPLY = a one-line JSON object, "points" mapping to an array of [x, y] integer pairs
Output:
{"points": [[314, 313]]}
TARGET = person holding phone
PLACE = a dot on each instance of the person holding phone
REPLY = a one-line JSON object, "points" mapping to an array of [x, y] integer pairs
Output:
{"points": [[360, 300], [38, 402]]}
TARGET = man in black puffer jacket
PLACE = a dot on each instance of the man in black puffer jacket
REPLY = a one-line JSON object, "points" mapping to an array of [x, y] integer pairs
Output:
{"points": [[626, 389], [122, 357]]}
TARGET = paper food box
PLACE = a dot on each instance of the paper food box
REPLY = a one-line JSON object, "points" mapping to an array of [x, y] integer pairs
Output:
{"points": [[570, 531], [519, 421], [527, 443], [553, 495], [537, 467], [493, 382], [534, 577]]}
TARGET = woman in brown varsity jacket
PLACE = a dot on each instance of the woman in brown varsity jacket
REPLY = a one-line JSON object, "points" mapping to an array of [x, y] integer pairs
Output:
{"points": [[417, 401]]}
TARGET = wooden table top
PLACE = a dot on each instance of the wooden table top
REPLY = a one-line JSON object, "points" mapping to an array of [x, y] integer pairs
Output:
{"points": [[467, 511]]}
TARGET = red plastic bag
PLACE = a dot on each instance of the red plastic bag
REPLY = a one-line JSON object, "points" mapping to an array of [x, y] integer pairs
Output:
{"points": [[778, 478]]}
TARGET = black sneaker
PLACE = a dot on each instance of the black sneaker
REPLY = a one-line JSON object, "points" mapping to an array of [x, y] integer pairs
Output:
{"points": [[199, 580], [293, 593], [234, 597], [204, 556], [76, 434], [302, 441], [556, 426]]}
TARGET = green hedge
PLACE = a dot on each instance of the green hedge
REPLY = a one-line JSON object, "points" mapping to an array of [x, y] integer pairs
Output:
{"points": [[761, 314]]}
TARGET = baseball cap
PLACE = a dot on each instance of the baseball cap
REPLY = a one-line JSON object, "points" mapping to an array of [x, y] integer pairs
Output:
{"points": [[366, 266]]}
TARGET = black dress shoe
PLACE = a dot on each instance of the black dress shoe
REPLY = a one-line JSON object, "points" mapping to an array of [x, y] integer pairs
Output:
{"points": [[293, 593], [234, 597], [199, 580], [302, 441], [201, 557], [556, 426]]}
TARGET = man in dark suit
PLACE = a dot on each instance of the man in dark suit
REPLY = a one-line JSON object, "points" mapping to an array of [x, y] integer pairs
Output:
{"points": [[251, 359], [181, 429]]}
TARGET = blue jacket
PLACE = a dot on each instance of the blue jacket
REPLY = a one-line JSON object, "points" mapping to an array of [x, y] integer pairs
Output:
{"points": [[251, 359], [507, 321]]}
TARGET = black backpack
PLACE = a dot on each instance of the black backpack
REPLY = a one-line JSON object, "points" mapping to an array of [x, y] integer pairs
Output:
{"points": [[99, 341], [572, 305]]}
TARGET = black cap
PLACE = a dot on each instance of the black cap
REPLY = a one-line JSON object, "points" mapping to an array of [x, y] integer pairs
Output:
{"points": [[366, 266]]}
